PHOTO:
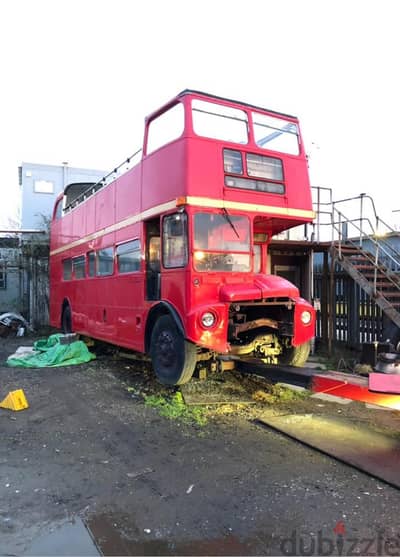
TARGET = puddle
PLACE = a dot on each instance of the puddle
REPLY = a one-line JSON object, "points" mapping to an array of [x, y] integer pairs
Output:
{"points": [[112, 541], [66, 538]]}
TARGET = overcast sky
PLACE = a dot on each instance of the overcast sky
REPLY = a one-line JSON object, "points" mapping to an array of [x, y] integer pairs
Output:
{"points": [[78, 77]]}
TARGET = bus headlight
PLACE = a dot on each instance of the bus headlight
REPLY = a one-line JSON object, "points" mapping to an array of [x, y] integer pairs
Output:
{"points": [[305, 317], [208, 319]]}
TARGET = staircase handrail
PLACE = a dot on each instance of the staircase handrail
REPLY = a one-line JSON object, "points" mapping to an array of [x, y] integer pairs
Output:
{"points": [[320, 192], [374, 259], [373, 237]]}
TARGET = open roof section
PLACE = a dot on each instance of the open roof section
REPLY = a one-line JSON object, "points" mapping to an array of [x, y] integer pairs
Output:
{"points": [[194, 92]]}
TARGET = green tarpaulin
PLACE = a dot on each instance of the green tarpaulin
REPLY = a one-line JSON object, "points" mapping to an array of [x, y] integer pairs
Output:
{"points": [[50, 353]]}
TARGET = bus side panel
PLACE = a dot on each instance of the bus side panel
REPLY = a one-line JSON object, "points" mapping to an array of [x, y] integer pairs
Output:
{"points": [[164, 171], [105, 207], [129, 294], [55, 290], [127, 198], [102, 298], [173, 290], [128, 310]]}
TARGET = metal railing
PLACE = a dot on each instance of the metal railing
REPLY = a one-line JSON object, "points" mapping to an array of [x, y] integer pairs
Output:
{"points": [[105, 181], [367, 232]]}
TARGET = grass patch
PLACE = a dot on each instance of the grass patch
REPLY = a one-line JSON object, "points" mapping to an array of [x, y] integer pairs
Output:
{"points": [[174, 408], [279, 393]]}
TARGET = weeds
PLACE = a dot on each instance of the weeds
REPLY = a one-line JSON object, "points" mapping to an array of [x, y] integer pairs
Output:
{"points": [[174, 408], [279, 393]]}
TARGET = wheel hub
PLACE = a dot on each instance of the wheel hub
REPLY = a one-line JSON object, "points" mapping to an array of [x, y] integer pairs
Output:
{"points": [[166, 349]]}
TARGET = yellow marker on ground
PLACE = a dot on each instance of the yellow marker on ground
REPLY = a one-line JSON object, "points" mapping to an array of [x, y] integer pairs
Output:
{"points": [[15, 400]]}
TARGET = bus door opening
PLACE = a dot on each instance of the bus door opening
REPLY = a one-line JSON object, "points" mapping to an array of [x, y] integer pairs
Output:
{"points": [[153, 260]]}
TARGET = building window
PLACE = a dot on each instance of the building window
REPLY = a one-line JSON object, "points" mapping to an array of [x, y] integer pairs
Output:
{"points": [[128, 257], [3, 275], [105, 262], [43, 186]]}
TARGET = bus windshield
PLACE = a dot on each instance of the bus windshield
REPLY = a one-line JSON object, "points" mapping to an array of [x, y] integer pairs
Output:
{"points": [[221, 242]]}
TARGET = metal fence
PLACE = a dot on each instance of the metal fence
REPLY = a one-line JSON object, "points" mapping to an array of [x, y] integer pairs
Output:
{"points": [[353, 316]]}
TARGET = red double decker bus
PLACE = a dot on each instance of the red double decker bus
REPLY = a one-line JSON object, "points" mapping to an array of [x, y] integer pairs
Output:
{"points": [[169, 258]]}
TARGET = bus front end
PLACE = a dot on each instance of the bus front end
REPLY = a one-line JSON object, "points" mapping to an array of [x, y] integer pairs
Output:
{"points": [[236, 307]]}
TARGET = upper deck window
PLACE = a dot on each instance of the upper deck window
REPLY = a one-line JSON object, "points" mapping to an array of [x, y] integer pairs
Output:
{"points": [[264, 167], [233, 161], [276, 134], [219, 122], [165, 128]]}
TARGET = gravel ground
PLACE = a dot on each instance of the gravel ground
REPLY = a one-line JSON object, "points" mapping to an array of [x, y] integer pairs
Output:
{"points": [[89, 447]]}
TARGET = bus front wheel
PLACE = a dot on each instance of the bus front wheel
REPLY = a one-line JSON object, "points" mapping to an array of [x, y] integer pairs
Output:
{"points": [[295, 355], [172, 356]]}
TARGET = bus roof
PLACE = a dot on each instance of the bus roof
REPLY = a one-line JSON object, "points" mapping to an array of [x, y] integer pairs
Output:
{"points": [[194, 92]]}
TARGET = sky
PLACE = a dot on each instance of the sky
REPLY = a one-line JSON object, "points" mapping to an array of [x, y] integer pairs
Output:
{"points": [[77, 78]]}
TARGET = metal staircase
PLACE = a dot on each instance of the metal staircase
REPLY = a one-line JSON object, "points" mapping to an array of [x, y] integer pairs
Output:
{"points": [[361, 247]]}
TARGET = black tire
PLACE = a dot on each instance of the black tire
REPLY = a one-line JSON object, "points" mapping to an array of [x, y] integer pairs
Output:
{"points": [[173, 357], [296, 355], [66, 320]]}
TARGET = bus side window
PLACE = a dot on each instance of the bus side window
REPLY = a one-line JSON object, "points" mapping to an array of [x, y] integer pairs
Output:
{"points": [[167, 127], [105, 262], [78, 265], [128, 257], [58, 213], [154, 254], [175, 249], [67, 269], [257, 258], [91, 257]]}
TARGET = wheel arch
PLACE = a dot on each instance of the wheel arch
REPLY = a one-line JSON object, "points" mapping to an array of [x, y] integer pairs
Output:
{"points": [[162, 308]]}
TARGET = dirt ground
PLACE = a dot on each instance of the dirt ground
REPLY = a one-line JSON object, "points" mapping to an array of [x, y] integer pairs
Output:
{"points": [[90, 448]]}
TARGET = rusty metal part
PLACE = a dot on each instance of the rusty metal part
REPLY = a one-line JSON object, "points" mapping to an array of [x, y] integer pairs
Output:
{"points": [[205, 356], [262, 322], [260, 343]]}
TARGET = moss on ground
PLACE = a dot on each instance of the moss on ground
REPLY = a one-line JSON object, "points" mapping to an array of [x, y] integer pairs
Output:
{"points": [[174, 408], [279, 393]]}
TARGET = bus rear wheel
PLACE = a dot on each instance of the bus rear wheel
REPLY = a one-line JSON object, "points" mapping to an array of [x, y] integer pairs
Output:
{"points": [[173, 357], [66, 320], [295, 355]]}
